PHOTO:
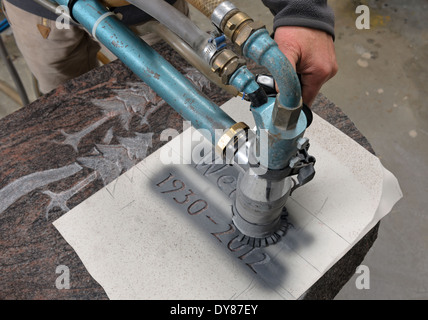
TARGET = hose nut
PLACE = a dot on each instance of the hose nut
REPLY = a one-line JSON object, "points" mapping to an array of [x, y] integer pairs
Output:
{"points": [[226, 63], [246, 32], [286, 118], [232, 26]]}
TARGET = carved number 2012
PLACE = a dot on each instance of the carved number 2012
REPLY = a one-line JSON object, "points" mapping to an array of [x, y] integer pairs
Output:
{"points": [[183, 196]]}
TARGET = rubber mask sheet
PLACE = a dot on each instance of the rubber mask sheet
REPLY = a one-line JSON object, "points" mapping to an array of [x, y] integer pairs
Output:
{"points": [[164, 231]]}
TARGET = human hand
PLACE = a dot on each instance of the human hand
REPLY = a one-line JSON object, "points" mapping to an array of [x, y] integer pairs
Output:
{"points": [[312, 54]]}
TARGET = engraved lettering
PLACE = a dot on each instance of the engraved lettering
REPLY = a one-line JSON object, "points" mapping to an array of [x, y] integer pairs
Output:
{"points": [[238, 248], [191, 210], [174, 184], [231, 230], [231, 238], [265, 260], [166, 180], [186, 197], [247, 254]]}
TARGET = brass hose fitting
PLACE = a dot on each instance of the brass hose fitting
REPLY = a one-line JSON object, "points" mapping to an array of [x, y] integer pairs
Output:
{"points": [[226, 63], [239, 27], [235, 24], [231, 138]]}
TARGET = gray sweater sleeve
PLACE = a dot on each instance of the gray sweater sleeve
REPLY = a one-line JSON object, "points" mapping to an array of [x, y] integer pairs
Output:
{"points": [[315, 14]]}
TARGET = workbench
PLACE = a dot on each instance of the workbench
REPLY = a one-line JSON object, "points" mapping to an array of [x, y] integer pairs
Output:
{"points": [[49, 151]]}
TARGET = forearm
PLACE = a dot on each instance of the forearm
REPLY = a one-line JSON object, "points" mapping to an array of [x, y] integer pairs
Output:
{"points": [[314, 14]]}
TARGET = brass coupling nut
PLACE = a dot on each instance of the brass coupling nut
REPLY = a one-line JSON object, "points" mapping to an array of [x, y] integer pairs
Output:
{"points": [[232, 136], [234, 23], [246, 32], [239, 27], [225, 64]]}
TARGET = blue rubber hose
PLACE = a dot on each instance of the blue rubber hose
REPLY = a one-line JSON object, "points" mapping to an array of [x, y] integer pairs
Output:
{"points": [[4, 25]]}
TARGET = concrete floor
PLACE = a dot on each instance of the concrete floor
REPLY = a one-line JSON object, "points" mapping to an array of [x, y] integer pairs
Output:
{"points": [[382, 87]]}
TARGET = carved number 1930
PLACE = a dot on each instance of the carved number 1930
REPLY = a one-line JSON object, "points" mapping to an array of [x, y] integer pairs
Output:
{"points": [[183, 196]]}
